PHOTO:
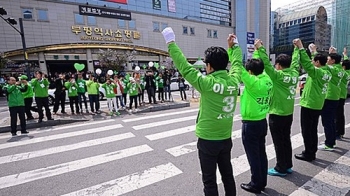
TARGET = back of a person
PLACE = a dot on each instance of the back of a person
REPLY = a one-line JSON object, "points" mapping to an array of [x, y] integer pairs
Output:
{"points": [[334, 84]]}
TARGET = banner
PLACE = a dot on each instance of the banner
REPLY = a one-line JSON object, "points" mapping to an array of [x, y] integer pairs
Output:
{"points": [[171, 6], [250, 45], [157, 4], [118, 1], [104, 12]]}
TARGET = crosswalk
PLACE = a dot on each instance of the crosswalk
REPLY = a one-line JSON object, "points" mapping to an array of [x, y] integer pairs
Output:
{"points": [[133, 155]]}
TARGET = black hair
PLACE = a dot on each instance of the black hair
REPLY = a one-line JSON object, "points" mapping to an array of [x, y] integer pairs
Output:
{"points": [[284, 60], [256, 66], [321, 58], [217, 57], [335, 57], [346, 64]]}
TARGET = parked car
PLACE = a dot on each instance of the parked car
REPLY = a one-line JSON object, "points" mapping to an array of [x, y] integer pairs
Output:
{"points": [[174, 85], [302, 81]]}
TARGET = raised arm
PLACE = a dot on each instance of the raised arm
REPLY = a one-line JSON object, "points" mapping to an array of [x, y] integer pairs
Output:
{"points": [[305, 60], [235, 57], [262, 54]]}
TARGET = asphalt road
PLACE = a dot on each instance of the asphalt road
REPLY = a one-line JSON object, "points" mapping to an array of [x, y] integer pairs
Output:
{"points": [[152, 154]]}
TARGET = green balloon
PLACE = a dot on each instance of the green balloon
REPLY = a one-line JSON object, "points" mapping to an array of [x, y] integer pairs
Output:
{"points": [[127, 76], [163, 67], [144, 66], [78, 66], [156, 65], [115, 72]]}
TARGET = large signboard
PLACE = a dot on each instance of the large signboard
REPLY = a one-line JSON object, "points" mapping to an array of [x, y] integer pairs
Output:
{"points": [[104, 12], [250, 45], [171, 6]]}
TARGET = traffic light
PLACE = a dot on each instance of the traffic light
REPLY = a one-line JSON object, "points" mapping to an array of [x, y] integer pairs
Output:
{"points": [[2, 11]]}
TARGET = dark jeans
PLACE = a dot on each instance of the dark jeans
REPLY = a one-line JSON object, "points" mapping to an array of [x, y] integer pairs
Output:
{"points": [[160, 94], [94, 99], [124, 98], [28, 107], [328, 115], [309, 122], [59, 99], [81, 97], [143, 96], [253, 137], [14, 111], [212, 154], [167, 91], [183, 91], [120, 98], [74, 100], [151, 94], [280, 127], [132, 100], [340, 120], [43, 102]]}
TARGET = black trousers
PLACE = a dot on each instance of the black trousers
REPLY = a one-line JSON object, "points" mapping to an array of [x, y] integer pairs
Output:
{"points": [[94, 99], [280, 128], [43, 102], [74, 101], [81, 98], [253, 137], [183, 91], [124, 98], [143, 95], [60, 99], [160, 94], [340, 119], [14, 111], [151, 95], [132, 100], [309, 122], [328, 114], [212, 154], [28, 106]]}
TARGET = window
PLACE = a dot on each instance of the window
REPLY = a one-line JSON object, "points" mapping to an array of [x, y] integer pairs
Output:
{"points": [[79, 19], [42, 15], [91, 20], [164, 25], [27, 13], [132, 24], [215, 34], [192, 31], [209, 33], [156, 26], [121, 23], [184, 30]]}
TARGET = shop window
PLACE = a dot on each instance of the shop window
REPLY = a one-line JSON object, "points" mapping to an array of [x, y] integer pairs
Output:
{"points": [[42, 15], [156, 26], [192, 32], [121, 23], [209, 33], [184, 30], [91, 20], [215, 34], [164, 25], [132, 24], [79, 19]]}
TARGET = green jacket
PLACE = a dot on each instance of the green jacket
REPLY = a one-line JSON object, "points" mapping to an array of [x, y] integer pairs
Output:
{"points": [[92, 87], [316, 85], [344, 84], [333, 92], [81, 86], [109, 88], [41, 88], [29, 92], [133, 89], [14, 95], [284, 83], [160, 82], [72, 89], [218, 95]]}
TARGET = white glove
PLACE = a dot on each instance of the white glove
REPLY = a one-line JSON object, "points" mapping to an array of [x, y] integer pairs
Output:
{"points": [[168, 35]]}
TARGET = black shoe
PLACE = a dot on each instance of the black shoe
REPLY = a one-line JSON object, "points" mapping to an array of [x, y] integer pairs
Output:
{"points": [[24, 132], [40, 120], [30, 118], [304, 158], [14, 134], [63, 112], [50, 119], [250, 188]]}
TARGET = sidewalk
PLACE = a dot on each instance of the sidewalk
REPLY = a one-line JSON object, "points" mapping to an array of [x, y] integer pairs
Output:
{"points": [[61, 119]]}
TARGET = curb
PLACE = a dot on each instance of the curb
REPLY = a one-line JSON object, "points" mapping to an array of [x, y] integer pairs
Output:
{"points": [[49, 123]]}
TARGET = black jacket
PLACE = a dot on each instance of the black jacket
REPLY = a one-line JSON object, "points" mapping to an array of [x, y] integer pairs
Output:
{"points": [[59, 84], [150, 82]]}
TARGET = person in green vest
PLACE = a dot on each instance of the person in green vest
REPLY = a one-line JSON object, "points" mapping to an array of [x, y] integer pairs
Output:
{"points": [[15, 100], [40, 86], [72, 88], [81, 92], [133, 90], [219, 91], [160, 84], [111, 99], [28, 97], [312, 100], [340, 119], [143, 87], [285, 80], [93, 92]]}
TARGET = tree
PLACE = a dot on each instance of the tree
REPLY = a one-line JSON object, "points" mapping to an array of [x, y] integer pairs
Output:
{"points": [[3, 60], [115, 59]]}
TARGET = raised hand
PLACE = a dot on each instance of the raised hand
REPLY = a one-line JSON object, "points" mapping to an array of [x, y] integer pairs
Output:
{"points": [[168, 35], [258, 43], [345, 51], [332, 50], [230, 40], [298, 43]]}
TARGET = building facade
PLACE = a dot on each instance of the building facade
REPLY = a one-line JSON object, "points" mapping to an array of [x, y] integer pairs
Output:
{"points": [[341, 24], [60, 33]]}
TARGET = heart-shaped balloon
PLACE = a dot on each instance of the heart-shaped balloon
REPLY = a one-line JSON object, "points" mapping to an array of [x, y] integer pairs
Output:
{"points": [[115, 72], [156, 65], [127, 76], [144, 66], [79, 66], [162, 67]]}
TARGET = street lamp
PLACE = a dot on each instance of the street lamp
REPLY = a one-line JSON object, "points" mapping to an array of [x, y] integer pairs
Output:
{"points": [[12, 22]]}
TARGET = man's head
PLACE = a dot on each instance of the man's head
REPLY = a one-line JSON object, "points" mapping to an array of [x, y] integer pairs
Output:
{"points": [[80, 76], [216, 58], [39, 74], [333, 58], [319, 60], [12, 81], [283, 61], [255, 67], [346, 64]]}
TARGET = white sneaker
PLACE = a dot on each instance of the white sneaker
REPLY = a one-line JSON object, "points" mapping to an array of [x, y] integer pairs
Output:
{"points": [[324, 147], [136, 110]]}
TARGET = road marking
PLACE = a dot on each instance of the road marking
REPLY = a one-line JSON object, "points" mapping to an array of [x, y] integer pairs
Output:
{"points": [[164, 122], [29, 176], [59, 149], [59, 136], [171, 133], [131, 182], [191, 147], [160, 115], [66, 127], [333, 180]]}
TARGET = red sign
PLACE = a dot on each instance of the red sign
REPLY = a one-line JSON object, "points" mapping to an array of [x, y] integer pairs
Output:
{"points": [[118, 1]]}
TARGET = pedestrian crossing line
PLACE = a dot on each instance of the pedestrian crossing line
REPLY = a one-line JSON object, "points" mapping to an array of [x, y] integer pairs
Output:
{"points": [[171, 133], [65, 127], [59, 136], [59, 149], [164, 122], [131, 182], [240, 164], [190, 147], [29, 176], [333, 180], [159, 115]]}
